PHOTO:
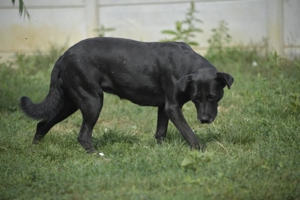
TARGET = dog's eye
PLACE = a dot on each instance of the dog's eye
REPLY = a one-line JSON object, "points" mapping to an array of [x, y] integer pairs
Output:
{"points": [[210, 97], [195, 100]]}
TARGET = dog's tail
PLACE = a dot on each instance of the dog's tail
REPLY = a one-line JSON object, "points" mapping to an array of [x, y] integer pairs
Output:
{"points": [[51, 105]]}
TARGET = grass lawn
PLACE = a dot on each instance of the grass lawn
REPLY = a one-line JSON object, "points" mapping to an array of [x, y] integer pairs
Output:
{"points": [[252, 148]]}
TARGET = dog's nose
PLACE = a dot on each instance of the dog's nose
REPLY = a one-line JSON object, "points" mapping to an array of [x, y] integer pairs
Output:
{"points": [[205, 120]]}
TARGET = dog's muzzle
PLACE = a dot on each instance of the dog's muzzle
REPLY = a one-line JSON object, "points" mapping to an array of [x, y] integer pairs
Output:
{"points": [[205, 119]]}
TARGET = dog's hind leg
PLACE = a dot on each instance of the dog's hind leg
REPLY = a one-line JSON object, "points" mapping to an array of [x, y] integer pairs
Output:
{"points": [[162, 125], [90, 109], [44, 126]]}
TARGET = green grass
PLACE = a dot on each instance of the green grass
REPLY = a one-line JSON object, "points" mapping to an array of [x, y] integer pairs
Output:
{"points": [[252, 148]]}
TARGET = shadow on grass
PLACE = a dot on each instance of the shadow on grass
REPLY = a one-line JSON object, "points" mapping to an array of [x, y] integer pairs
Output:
{"points": [[112, 136], [175, 138]]}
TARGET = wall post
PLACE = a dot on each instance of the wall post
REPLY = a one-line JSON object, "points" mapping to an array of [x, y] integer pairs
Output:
{"points": [[275, 26], [91, 17]]}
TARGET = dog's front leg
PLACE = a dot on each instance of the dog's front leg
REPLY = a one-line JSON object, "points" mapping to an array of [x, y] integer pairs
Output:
{"points": [[174, 112]]}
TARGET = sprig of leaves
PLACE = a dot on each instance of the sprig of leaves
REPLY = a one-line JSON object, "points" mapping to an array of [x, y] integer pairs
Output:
{"points": [[22, 9], [195, 160], [186, 29], [219, 40], [102, 30]]}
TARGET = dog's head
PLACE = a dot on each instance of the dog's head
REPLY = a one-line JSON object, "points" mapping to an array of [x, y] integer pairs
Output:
{"points": [[205, 89]]}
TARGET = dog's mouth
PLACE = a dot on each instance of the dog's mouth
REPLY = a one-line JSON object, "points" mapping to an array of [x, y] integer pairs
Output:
{"points": [[205, 120]]}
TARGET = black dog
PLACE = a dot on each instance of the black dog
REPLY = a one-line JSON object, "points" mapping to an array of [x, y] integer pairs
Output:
{"points": [[165, 75]]}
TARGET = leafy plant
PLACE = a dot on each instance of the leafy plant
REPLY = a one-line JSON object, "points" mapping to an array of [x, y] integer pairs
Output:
{"points": [[22, 9], [219, 40], [195, 160], [103, 30], [40, 60], [186, 29], [294, 102]]}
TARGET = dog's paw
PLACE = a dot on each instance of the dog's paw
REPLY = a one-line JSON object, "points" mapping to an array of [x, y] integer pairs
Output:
{"points": [[198, 147], [160, 140]]}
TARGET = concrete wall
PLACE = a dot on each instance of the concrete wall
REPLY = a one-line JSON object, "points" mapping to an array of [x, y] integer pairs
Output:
{"points": [[68, 21]]}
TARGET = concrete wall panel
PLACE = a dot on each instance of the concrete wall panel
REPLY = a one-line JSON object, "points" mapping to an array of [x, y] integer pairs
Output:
{"points": [[59, 21]]}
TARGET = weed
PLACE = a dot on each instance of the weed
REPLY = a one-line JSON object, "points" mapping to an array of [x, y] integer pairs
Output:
{"points": [[195, 159], [26, 68], [218, 41], [103, 30], [294, 103], [186, 29]]}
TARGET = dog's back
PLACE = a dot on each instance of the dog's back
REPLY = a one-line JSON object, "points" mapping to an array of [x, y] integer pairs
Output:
{"points": [[138, 71]]}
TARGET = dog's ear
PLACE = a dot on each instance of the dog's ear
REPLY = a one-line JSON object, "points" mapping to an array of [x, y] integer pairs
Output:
{"points": [[225, 78], [183, 83]]}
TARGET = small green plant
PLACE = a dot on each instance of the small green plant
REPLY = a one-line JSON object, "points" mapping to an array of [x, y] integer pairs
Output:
{"points": [[274, 62], [40, 60], [103, 30], [219, 40], [195, 160], [22, 9], [294, 103], [186, 29]]}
